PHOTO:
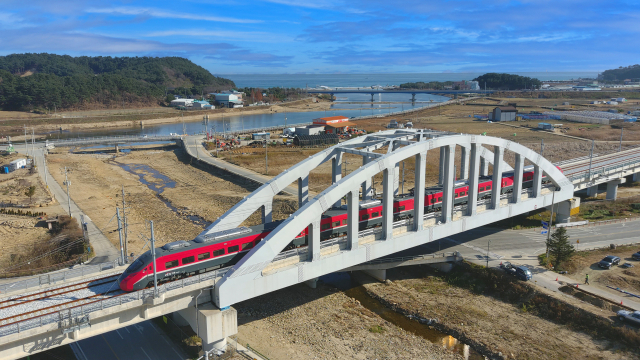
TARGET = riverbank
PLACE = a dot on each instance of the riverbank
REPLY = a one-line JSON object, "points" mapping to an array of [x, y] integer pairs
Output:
{"points": [[508, 319]]}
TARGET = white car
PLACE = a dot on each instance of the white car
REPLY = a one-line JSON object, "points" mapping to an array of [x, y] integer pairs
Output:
{"points": [[633, 317]]}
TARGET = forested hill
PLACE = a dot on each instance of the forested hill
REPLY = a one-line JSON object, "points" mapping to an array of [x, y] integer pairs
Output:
{"points": [[622, 73], [41, 81]]}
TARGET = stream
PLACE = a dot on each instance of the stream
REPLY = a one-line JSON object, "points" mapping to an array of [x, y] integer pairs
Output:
{"points": [[157, 182], [343, 281]]}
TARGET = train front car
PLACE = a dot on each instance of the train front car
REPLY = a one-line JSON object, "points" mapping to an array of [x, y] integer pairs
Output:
{"points": [[134, 277]]}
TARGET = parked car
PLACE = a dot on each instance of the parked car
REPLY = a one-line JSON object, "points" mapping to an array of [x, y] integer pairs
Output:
{"points": [[636, 256], [523, 273], [609, 261], [633, 317]]}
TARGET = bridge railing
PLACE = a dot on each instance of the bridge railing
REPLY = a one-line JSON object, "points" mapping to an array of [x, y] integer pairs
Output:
{"points": [[411, 258], [127, 138], [586, 175], [53, 278], [42, 317]]}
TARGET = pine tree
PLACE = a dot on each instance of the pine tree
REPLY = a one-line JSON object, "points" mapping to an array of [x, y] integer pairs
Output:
{"points": [[559, 246]]}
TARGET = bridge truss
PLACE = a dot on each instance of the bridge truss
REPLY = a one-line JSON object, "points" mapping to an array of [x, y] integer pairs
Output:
{"points": [[267, 268]]}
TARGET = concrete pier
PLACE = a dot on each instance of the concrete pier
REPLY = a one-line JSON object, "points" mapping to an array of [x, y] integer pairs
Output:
{"points": [[212, 324], [612, 188], [567, 208]]}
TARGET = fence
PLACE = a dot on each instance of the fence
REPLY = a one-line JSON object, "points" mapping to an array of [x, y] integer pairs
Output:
{"points": [[52, 278], [67, 315]]}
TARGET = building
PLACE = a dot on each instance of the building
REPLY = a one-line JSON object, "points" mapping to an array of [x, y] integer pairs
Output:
{"points": [[310, 130], [334, 124], [227, 100], [201, 104], [466, 85], [504, 113], [261, 136], [315, 140], [288, 131], [182, 102]]}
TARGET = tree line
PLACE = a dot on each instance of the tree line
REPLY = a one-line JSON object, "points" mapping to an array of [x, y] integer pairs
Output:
{"points": [[496, 81], [41, 81]]}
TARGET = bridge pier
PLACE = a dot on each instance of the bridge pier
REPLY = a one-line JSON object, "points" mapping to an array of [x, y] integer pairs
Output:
{"points": [[117, 150], [372, 100], [592, 191], [563, 214], [612, 188], [331, 99], [413, 98], [212, 324], [380, 275], [635, 177], [455, 96]]}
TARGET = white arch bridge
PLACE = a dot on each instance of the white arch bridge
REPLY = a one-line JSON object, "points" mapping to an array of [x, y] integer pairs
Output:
{"points": [[266, 268]]}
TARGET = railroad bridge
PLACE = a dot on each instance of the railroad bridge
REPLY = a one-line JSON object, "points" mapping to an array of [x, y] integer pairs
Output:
{"points": [[267, 267]]}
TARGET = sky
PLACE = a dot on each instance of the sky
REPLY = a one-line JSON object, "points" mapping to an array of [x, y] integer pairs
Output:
{"points": [[335, 36]]}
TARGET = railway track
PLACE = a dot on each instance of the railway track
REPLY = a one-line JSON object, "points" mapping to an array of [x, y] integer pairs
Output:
{"points": [[606, 160], [50, 301]]}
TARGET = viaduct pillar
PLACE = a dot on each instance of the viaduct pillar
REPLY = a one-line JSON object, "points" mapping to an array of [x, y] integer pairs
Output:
{"points": [[612, 188], [212, 324]]}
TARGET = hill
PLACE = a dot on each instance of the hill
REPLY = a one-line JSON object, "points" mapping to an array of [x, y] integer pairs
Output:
{"points": [[621, 73], [497, 81], [41, 81]]}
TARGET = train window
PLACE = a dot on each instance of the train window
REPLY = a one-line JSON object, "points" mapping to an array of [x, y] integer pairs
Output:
{"points": [[463, 193], [336, 223], [171, 264], [204, 256], [375, 214], [246, 246], [365, 216], [488, 187], [400, 208], [344, 222], [433, 200], [325, 226], [232, 249], [457, 195], [218, 252], [439, 198], [481, 188], [188, 260]]}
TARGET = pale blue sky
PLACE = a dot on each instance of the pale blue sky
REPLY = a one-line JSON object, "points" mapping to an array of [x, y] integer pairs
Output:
{"points": [[335, 36]]}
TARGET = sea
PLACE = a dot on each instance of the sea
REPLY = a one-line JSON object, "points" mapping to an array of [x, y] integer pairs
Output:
{"points": [[363, 80]]}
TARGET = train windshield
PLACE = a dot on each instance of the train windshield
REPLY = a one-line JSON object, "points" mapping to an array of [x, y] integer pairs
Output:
{"points": [[135, 266]]}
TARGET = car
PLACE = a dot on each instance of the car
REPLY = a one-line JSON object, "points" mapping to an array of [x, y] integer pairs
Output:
{"points": [[636, 256], [609, 261], [523, 273], [508, 268], [633, 317]]}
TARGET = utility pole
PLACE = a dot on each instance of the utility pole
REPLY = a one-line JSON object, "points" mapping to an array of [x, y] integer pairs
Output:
{"points": [[153, 254], [590, 160], [266, 158], [66, 182], [553, 198], [488, 245], [541, 147], [26, 148], [120, 236], [620, 147], [124, 217]]}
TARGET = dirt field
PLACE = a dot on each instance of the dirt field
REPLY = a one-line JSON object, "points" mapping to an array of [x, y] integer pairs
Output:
{"points": [[97, 181], [499, 326], [323, 323]]}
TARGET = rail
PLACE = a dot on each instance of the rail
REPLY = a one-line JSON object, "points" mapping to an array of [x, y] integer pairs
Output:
{"points": [[586, 175], [69, 314], [53, 278]]}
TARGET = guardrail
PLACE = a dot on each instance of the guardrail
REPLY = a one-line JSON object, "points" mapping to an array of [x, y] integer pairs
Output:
{"points": [[127, 138], [52, 278], [68, 315], [603, 170]]}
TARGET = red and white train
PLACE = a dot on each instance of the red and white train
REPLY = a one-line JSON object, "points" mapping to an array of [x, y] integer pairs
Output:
{"points": [[186, 258]]}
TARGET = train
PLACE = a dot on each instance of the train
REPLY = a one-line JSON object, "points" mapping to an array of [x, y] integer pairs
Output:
{"points": [[182, 258]]}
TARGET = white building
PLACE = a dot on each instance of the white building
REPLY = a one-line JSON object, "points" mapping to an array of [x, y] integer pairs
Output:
{"points": [[473, 85], [182, 102], [228, 100]]}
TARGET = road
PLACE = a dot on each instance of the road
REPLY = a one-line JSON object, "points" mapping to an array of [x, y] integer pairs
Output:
{"points": [[144, 341], [103, 249], [195, 149]]}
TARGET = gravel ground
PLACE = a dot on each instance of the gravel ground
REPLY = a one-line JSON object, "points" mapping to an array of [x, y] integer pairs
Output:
{"points": [[61, 299]]}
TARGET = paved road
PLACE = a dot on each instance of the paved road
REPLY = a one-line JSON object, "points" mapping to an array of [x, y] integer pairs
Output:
{"points": [[193, 145], [144, 341], [523, 246], [102, 247]]}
